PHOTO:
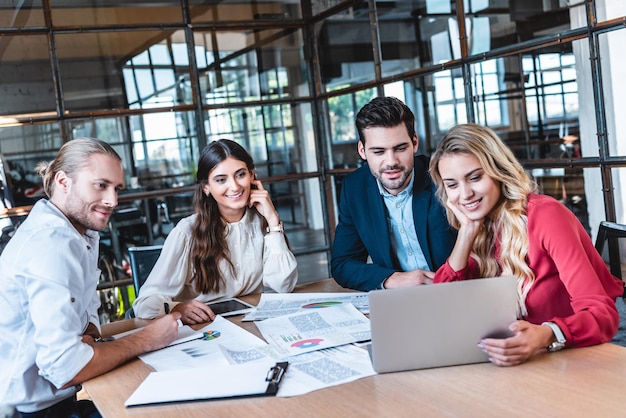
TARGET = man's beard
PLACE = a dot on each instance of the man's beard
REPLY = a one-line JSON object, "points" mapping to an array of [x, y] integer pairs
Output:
{"points": [[393, 184]]}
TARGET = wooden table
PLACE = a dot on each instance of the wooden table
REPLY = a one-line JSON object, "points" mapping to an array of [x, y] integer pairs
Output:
{"points": [[581, 382]]}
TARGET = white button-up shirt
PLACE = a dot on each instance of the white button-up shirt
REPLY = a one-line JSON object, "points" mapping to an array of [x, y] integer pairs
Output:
{"points": [[48, 279]]}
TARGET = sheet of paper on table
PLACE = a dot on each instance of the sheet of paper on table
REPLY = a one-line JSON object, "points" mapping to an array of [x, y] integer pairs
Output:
{"points": [[315, 329], [272, 305], [229, 344], [202, 352], [315, 370], [205, 383]]}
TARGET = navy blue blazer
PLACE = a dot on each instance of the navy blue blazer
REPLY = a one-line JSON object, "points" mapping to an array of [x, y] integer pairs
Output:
{"points": [[363, 230]]}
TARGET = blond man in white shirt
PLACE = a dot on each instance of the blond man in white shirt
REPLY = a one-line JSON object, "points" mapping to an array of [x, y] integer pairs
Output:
{"points": [[49, 328]]}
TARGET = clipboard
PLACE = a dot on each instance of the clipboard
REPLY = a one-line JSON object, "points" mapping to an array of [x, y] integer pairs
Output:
{"points": [[210, 383]]}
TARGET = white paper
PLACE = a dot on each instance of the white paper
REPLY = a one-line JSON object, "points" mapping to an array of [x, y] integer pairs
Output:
{"points": [[272, 305], [218, 381], [202, 352], [312, 371], [235, 346], [315, 329], [325, 368]]}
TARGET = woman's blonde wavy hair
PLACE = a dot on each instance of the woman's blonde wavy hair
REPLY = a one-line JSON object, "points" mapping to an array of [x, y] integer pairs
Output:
{"points": [[507, 221]]}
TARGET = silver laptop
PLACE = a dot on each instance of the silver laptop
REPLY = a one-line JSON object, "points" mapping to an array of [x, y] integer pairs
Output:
{"points": [[439, 325]]}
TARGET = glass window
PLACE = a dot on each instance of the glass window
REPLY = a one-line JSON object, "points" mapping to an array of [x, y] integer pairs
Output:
{"points": [[23, 145], [613, 71], [319, 6], [437, 102], [439, 37], [299, 207], [113, 12], [279, 137], [532, 101], [159, 76], [440, 100], [609, 9], [312, 267], [342, 111], [120, 70], [291, 199], [230, 10], [491, 27], [164, 145], [345, 49], [111, 130], [257, 65], [26, 78], [597, 214], [486, 84], [21, 14], [401, 48], [165, 148], [568, 186], [26, 138]]}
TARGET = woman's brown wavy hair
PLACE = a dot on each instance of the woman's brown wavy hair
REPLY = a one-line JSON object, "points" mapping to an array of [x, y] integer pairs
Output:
{"points": [[209, 245]]}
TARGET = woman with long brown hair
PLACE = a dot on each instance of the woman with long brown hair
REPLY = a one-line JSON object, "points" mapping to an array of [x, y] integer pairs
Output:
{"points": [[232, 245]]}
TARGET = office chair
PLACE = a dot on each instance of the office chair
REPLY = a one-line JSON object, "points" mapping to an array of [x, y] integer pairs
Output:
{"points": [[610, 231], [142, 260]]}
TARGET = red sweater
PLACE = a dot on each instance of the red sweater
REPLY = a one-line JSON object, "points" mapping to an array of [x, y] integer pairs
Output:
{"points": [[573, 287]]}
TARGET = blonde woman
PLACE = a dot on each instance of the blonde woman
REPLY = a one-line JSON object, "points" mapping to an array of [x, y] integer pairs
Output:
{"points": [[566, 293]]}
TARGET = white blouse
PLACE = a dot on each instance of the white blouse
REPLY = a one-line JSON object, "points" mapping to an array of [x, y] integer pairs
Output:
{"points": [[259, 259]]}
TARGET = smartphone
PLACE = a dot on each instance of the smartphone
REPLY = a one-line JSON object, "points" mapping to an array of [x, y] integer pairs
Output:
{"points": [[230, 307]]}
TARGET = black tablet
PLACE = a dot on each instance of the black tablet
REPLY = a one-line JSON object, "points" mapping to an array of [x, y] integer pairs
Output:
{"points": [[230, 307]]}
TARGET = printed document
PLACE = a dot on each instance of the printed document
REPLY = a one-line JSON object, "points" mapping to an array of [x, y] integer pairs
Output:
{"points": [[314, 329], [312, 371], [204, 383], [272, 305], [204, 351]]}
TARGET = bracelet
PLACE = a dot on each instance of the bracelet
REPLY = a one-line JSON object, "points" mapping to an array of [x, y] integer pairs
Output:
{"points": [[277, 228], [559, 344], [102, 340]]}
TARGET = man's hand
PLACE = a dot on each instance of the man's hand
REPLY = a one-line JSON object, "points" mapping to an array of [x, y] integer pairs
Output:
{"points": [[108, 355], [91, 334], [159, 333], [409, 278]]}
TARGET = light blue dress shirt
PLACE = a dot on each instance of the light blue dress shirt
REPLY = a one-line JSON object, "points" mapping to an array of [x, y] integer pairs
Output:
{"points": [[405, 247]]}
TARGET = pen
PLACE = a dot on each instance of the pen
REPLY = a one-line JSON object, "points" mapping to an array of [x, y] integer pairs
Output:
{"points": [[166, 306]]}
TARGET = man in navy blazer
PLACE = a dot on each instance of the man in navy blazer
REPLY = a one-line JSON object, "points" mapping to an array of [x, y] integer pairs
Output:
{"points": [[388, 210]]}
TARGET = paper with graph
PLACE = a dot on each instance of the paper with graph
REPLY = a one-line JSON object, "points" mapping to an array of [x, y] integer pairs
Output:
{"points": [[314, 329]]}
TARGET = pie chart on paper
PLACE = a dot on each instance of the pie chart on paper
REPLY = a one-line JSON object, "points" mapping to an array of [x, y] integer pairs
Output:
{"points": [[311, 342], [211, 335]]}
